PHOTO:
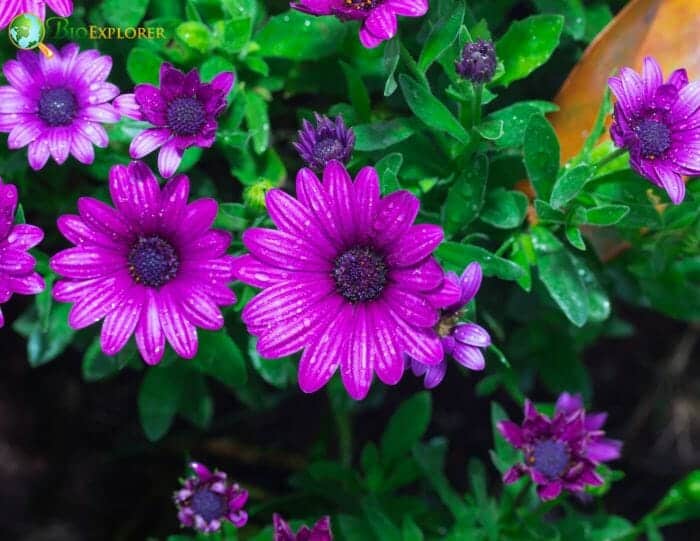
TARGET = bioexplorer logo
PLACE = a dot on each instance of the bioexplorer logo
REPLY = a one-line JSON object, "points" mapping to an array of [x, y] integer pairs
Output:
{"points": [[61, 28], [27, 31]]}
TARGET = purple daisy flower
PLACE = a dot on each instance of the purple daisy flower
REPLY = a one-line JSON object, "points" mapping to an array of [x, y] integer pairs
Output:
{"points": [[321, 531], [328, 140], [207, 499], [183, 112], [57, 105], [9, 9], [378, 17], [17, 273], [152, 267], [463, 341], [478, 62], [659, 124], [560, 453], [346, 277]]}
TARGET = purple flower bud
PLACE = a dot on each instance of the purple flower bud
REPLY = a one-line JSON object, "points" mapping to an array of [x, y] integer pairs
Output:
{"points": [[478, 62], [326, 141]]}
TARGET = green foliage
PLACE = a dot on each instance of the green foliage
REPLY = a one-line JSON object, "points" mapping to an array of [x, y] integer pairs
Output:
{"points": [[527, 45], [471, 154]]}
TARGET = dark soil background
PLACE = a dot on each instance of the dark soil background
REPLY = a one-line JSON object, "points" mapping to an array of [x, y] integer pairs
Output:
{"points": [[75, 466]]}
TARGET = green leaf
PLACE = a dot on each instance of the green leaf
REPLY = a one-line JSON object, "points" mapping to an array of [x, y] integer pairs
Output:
{"points": [[573, 235], [277, 372], [527, 45], [610, 528], [196, 404], [388, 170], [354, 529], [143, 66], [357, 92], [406, 427], [45, 342], [492, 130], [124, 13], [213, 66], [457, 256], [681, 502], [547, 214], [96, 365], [504, 209], [598, 301], [465, 197], [504, 454], [159, 397], [573, 12], [235, 34], [568, 185], [297, 36], [522, 254], [606, 214], [431, 110], [442, 35], [381, 135], [231, 217], [410, 531], [196, 35], [559, 274], [381, 524], [515, 119], [258, 121], [541, 155], [392, 54], [430, 458], [221, 358]]}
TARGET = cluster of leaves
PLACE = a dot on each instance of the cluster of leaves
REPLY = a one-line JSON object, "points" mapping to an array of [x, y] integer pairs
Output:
{"points": [[465, 151]]}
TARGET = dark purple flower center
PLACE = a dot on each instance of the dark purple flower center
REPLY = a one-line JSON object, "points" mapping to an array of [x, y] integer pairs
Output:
{"points": [[654, 138], [478, 61], [550, 458], [153, 261], [57, 106], [360, 274], [186, 116], [209, 505], [361, 5], [328, 149]]}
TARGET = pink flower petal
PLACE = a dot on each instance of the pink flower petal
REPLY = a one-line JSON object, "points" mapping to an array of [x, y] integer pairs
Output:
{"points": [[120, 323], [149, 335]]}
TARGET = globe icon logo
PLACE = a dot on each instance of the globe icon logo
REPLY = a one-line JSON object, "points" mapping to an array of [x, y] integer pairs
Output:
{"points": [[26, 31]]}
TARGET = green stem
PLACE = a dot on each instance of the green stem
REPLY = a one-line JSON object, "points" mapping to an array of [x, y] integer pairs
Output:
{"points": [[515, 504], [610, 157], [344, 427], [476, 104], [412, 66]]}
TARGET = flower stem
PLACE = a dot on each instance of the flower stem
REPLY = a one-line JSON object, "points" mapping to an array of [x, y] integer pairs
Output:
{"points": [[476, 104], [610, 157], [344, 427]]}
